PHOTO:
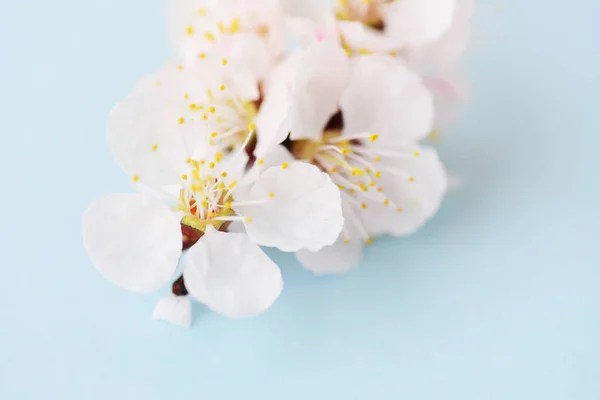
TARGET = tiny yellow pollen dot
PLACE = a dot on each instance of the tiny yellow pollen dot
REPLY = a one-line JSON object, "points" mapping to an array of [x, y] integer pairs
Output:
{"points": [[417, 154], [377, 174], [222, 87], [221, 26], [224, 61], [260, 161], [211, 164], [224, 174], [219, 120], [204, 203], [285, 165], [369, 241], [228, 205], [202, 162], [380, 189], [181, 120], [212, 110], [248, 220], [377, 159], [193, 106], [180, 67], [341, 187], [214, 135], [209, 36], [218, 157], [186, 96], [372, 183], [333, 170], [184, 177], [368, 170], [157, 83], [399, 209], [386, 202], [189, 30], [373, 137], [392, 53], [272, 195], [202, 55], [346, 240], [211, 214], [135, 178], [201, 11], [411, 179], [351, 191], [364, 205], [154, 147], [346, 151], [251, 126], [232, 184], [188, 161], [205, 116], [364, 51]]}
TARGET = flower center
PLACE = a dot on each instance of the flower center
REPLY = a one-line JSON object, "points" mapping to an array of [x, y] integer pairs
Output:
{"points": [[356, 169], [205, 197], [229, 118], [367, 12]]}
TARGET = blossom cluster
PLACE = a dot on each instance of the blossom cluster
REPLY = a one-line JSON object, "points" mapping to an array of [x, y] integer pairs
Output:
{"points": [[244, 140]]}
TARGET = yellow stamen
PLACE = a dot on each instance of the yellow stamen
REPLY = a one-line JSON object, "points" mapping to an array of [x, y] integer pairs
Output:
{"points": [[154, 147], [272, 195], [285, 165], [184, 177], [181, 120], [135, 178], [189, 30]]}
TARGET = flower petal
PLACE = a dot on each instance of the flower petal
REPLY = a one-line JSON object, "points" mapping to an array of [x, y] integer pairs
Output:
{"points": [[272, 122], [338, 258], [133, 240], [387, 98], [418, 22], [174, 309], [321, 78], [302, 209], [231, 275], [415, 200], [445, 52], [318, 11]]}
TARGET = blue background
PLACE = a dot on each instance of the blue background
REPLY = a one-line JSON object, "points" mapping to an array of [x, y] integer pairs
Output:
{"points": [[497, 298]]}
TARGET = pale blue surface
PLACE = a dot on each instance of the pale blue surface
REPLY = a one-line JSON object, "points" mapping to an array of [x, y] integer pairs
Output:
{"points": [[496, 299]]}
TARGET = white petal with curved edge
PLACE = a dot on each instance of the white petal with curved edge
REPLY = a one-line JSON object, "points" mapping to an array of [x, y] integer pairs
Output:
{"points": [[133, 240], [338, 258], [138, 127], [444, 53], [418, 200], [277, 156], [418, 22], [304, 212], [174, 309], [272, 121], [322, 76], [231, 274], [387, 98]]}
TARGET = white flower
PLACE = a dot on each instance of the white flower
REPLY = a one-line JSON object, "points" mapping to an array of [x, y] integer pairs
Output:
{"points": [[389, 184], [135, 240], [250, 31], [368, 26]]}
